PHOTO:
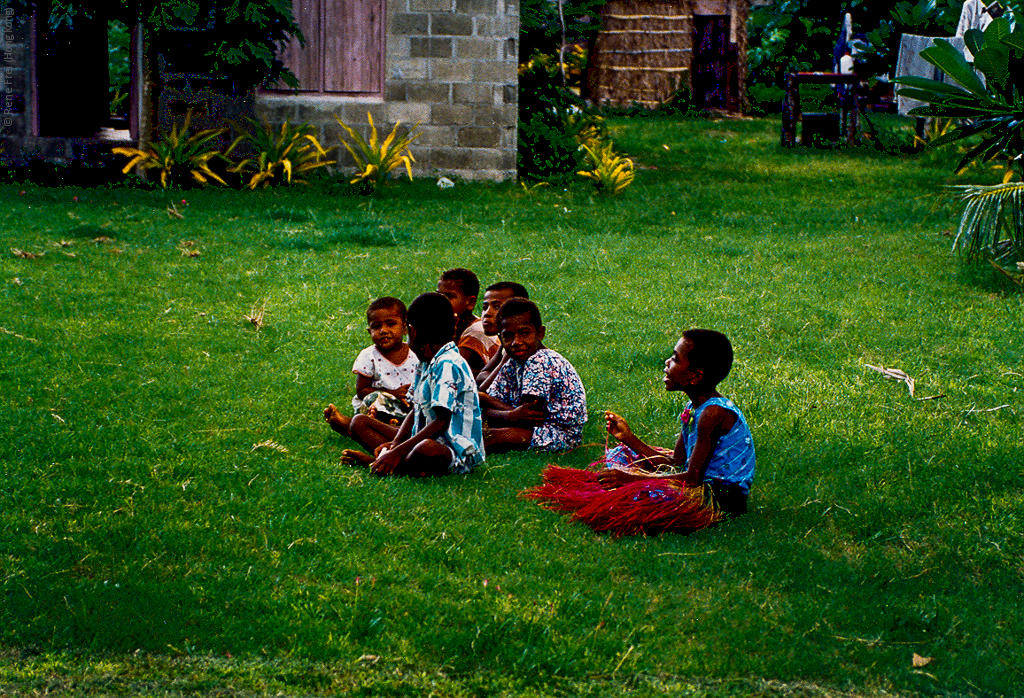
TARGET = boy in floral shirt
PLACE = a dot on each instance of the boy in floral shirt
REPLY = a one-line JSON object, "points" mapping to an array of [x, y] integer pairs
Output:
{"points": [[537, 400]]}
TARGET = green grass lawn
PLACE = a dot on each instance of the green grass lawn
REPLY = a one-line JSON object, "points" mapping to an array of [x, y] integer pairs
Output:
{"points": [[176, 521]]}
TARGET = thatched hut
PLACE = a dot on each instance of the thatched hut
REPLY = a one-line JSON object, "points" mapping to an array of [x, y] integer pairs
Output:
{"points": [[648, 50]]}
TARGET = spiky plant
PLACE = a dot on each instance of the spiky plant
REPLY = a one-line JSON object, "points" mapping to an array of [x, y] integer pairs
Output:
{"points": [[609, 172], [376, 159], [992, 224], [178, 151], [280, 154]]}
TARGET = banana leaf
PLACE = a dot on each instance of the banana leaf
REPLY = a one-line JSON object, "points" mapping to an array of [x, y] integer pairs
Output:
{"points": [[1015, 40], [933, 86]]}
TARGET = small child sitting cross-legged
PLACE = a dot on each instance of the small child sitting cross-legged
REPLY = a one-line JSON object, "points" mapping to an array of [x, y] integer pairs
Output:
{"points": [[384, 370], [710, 469], [537, 400], [444, 432]]}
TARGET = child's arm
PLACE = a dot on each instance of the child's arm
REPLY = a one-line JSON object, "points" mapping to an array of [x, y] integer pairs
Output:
{"points": [[475, 361], [404, 429], [403, 444], [532, 411], [619, 428], [714, 423], [401, 392], [364, 385], [489, 372]]}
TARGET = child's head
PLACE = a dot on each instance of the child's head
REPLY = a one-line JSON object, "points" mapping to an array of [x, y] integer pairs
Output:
{"points": [[522, 333], [700, 357], [431, 323], [494, 296], [385, 321], [460, 287]]}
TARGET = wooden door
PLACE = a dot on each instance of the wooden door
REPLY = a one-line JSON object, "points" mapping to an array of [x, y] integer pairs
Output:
{"points": [[712, 67], [344, 51]]}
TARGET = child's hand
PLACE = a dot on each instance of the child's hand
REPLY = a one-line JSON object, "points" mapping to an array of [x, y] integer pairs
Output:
{"points": [[528, 413], [617, 426], [386, 446], [613, 478], [387, 461], [401, 392]]}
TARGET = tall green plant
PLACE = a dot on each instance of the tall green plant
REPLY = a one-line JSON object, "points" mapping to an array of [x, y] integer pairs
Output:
{"points": [[992, 224], [552, 124]]}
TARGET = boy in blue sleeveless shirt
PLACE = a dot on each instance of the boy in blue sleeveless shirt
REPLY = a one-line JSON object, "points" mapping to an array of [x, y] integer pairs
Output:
{"points": [[707, 476]]}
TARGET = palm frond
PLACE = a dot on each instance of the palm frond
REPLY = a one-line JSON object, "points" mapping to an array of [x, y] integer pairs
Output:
{"points": [[993, 219]]}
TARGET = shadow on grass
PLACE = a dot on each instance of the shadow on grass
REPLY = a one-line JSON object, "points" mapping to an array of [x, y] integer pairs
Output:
{"points": [[981, 275], [365, 232]]}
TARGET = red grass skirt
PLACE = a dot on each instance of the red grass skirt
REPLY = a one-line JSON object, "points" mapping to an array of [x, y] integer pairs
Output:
{"points": [[643, 507]]}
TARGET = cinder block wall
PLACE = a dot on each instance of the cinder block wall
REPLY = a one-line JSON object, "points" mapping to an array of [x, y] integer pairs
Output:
{"points": [[451, 66]]}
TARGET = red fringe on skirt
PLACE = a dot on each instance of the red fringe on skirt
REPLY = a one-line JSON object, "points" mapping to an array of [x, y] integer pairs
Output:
{"points": [[647, 506]]}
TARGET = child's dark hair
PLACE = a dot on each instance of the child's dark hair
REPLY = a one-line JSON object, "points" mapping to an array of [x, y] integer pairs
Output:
{"points": [[518, 290], [466, 280], [711, 353], [520, 306], [431, 316], [387, 303]]}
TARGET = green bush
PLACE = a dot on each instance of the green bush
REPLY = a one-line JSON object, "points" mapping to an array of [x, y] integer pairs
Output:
{"points": [[548, 150]]}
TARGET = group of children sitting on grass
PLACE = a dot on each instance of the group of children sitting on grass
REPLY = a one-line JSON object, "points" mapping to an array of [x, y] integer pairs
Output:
{"points": [[465, 386]]}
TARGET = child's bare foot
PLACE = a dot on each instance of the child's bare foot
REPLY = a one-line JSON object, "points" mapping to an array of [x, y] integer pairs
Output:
{"points": [[337, 420], [352, 457]]}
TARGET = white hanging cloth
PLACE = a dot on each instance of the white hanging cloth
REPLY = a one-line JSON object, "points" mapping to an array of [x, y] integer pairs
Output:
{"points": [[972, 16], [909, 62]]}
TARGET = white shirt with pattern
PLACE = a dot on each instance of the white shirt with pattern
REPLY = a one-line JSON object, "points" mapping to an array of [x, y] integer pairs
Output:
{"points": [[384, 374]]}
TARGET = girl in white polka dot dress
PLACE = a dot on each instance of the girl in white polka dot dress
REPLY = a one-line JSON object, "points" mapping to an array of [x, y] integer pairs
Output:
{"points": [[384, 370]]}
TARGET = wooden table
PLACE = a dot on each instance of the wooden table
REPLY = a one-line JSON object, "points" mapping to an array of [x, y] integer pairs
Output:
{"points": [[847, 105]]}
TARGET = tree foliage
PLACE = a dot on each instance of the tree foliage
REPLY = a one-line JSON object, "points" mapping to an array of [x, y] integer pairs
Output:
{"points": [[231, 41], [540, 29], [992, 108]]}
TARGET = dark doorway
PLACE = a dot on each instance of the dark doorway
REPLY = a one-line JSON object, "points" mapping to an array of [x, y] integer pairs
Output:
{"points": [[714, 63], [82, 74]]}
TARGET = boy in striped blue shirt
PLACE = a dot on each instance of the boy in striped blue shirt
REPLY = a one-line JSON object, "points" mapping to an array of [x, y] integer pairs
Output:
{"points": [[443, 434]]}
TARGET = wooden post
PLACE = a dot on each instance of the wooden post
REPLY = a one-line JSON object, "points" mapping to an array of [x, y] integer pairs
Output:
{"points": [[851, 124], [790, 111]]}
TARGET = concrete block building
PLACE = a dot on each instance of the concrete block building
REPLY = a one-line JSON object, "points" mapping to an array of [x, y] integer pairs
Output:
{"points": [[449, 65]]}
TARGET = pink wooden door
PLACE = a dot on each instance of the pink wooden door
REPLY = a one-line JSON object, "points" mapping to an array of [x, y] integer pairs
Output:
{"points": [[344, 52], [353, 42]]}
